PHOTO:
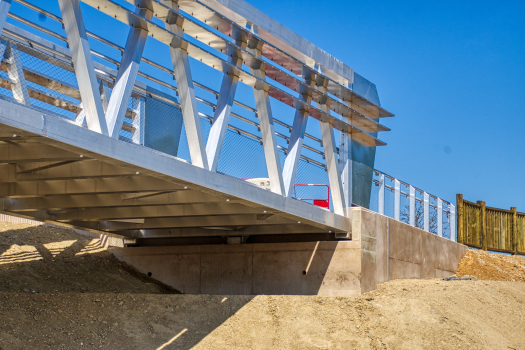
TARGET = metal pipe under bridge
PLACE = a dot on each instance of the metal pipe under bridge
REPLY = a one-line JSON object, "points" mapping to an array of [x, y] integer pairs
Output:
{"points": [[89, 140]]}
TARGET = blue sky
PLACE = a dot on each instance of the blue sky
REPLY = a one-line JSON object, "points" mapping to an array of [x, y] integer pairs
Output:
{"points": [[453, 73]]}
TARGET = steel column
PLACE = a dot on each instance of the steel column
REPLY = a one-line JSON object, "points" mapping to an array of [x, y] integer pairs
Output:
{"points": [[381, 199], [139, 108], [332, 165], [440, 217], [452, 216], [16, 75], [264, 113], [4, 11], [127, 73], [296, 140], [225, 102], [186, 90], [397, 199], [84, 66], [426, 212], [345, 162], [412, 206]]}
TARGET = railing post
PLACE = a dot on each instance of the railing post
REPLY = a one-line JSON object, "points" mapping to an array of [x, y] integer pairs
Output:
{"points": [[412, 206], [138, 121], [514, 230], [426, 212], [381, 199], [397, 199], [459, 202], [440, 217], [483, 226], [453, 223]]}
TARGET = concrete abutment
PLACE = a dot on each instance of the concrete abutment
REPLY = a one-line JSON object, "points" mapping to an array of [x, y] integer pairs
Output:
{"points": [[381, 249]]}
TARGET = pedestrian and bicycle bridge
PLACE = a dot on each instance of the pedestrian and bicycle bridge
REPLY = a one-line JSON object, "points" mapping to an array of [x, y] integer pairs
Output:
{"points": [[190, 121]]}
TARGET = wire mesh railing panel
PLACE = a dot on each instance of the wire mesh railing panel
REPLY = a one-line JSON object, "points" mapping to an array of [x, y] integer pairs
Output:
{"points": [[446, 224], [389, 198], [242, 157], [309, 173]]}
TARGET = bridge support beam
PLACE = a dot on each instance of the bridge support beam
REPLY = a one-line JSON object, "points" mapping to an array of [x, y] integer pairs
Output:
{"points": [[186, 90], [266, 124], [5, 5], [225, 102], [16, 74], [296, 139], [84, 66], [127, 73]]}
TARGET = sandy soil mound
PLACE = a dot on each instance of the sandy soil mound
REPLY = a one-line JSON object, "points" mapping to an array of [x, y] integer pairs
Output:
{"points": [[491, 266], [98, 304]]}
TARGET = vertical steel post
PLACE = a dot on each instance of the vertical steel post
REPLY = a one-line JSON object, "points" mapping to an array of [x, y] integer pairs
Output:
{"points": [[412, 206], [84, 67], [138, 122], [426, 212], [186, 89], [296, 138], [16, 75], [453, 222], [397, 199], [4, 11], [225, 100], [127, 73], [381, 199], [440, 217]]}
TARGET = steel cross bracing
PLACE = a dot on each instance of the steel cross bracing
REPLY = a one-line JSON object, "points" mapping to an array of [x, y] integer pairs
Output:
{"points": [[176, 205]]}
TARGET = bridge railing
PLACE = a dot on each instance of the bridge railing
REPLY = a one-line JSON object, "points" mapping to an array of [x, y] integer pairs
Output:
{"points": [[401, 201]]}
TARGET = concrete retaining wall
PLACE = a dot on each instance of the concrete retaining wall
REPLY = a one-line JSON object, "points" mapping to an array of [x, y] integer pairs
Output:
{"points": [[381, 249]]}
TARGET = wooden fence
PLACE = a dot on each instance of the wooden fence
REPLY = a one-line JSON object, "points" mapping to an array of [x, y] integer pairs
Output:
{"points": [[489, 228]]}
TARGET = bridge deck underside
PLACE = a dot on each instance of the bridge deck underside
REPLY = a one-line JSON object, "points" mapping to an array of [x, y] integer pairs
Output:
{"points": [[55, 171]]}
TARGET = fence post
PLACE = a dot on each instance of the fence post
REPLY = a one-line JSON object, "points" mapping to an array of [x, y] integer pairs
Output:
{"points": [[412, 206], [381, 199], [514, 230], [440, 217], [453, 231], [483, 226], [426, 212], [459, 203], [397, 200]]}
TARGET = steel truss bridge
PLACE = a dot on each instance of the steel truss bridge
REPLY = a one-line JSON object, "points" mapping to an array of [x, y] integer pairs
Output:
{"points": [[88, 140]]}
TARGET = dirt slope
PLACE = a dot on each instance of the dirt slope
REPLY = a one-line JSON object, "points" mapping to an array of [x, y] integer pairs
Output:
{"points": [[90, 301], [491, 266]]}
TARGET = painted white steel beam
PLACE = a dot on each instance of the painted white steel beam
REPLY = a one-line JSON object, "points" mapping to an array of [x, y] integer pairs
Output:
{"points": [[397, 200], [452, 221], [440, 217], [186, 90], [332, 166], [5, 5], [16, 75], [84, 66], [225, 101], [426, 212], [381, 196], [266, 124], [127, 73], [412, 217], [295, 145]]}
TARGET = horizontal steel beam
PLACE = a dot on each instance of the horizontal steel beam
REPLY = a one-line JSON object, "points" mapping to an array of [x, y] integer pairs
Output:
{"points": [[78, 170], [85, 186], [33, 152], [150, 211], [189, 221], [104, 200], [201, 232]]}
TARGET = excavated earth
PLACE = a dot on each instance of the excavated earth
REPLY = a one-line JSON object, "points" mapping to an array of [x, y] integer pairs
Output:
{"points": [[60, 290]]}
